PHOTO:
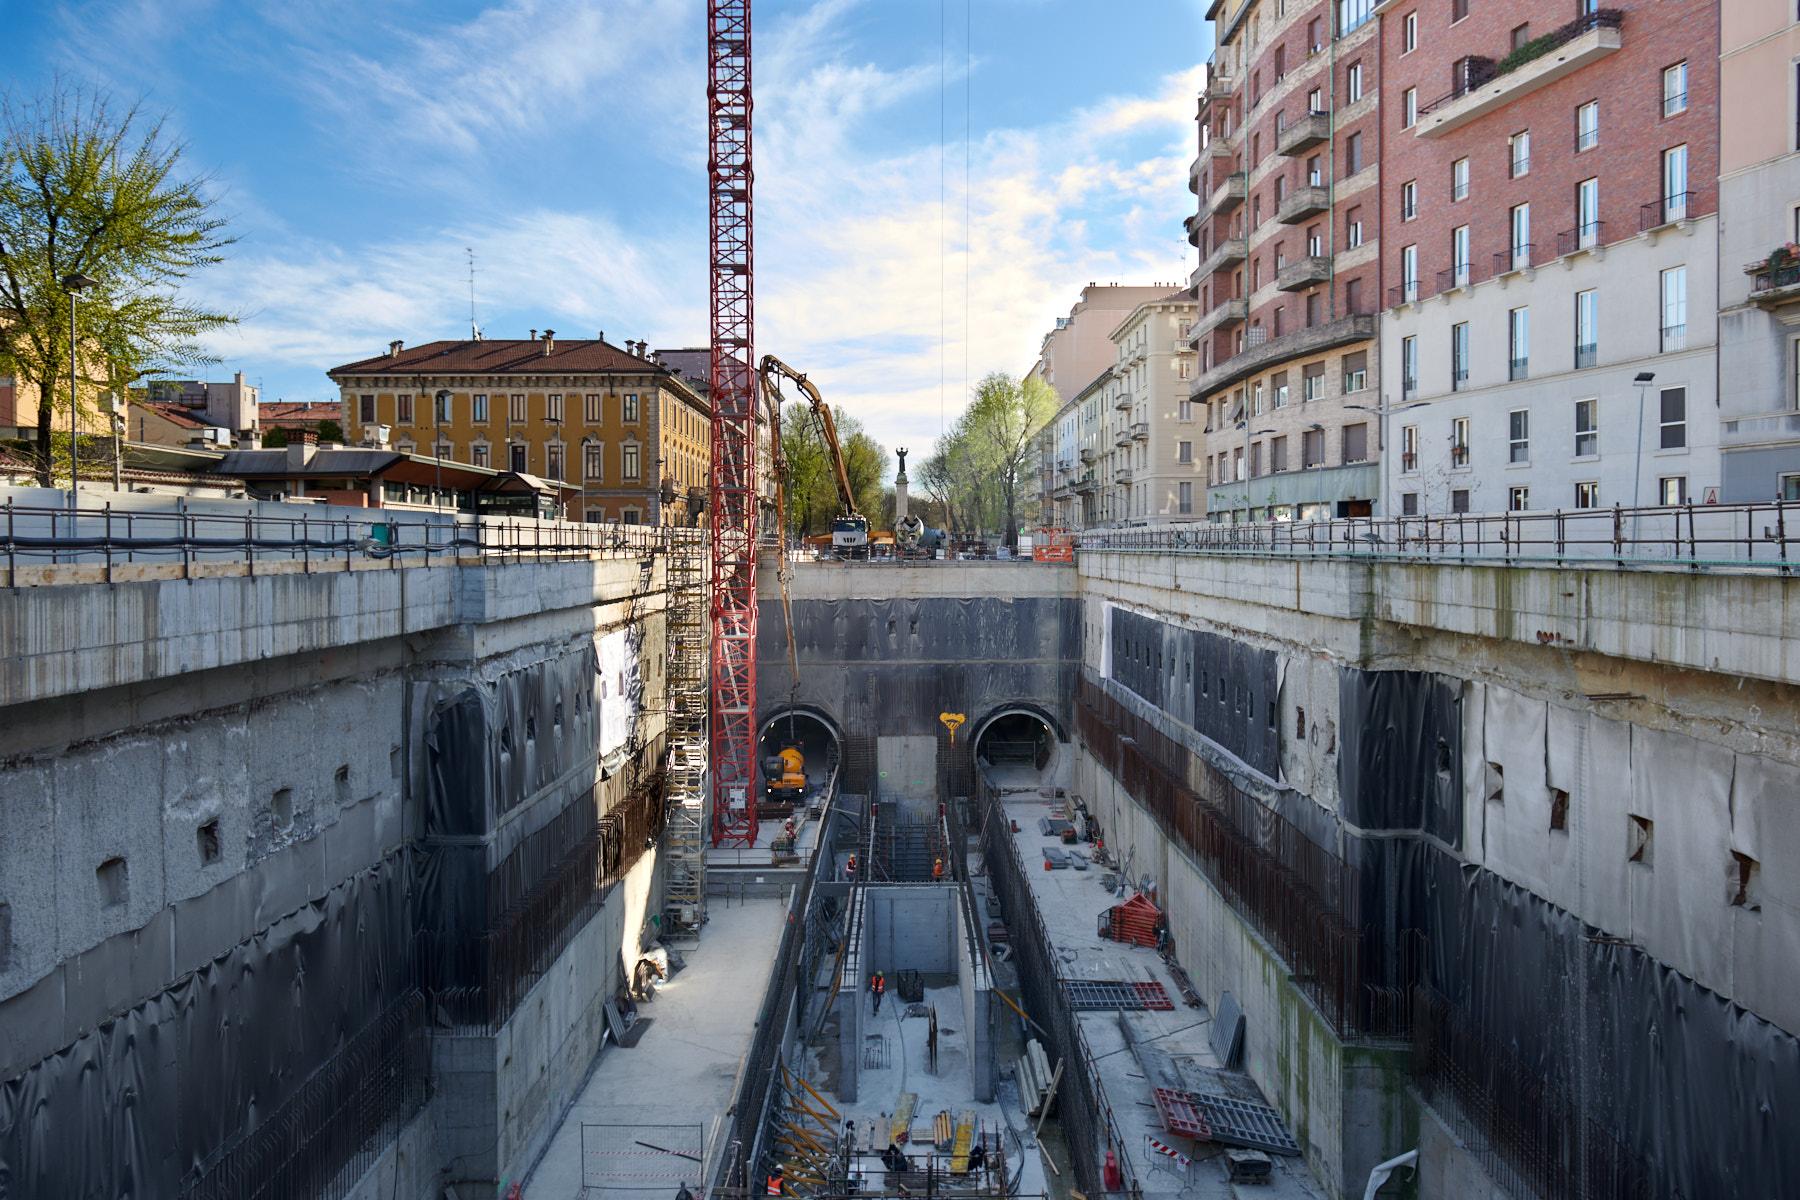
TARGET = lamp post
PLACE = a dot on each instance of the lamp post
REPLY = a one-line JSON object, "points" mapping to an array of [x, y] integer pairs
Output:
{"points": [[1381, 412], [1643, 381], [74, 283], [437, 442]]}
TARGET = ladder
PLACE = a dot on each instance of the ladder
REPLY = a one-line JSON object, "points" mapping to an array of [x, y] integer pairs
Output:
{"points": [[684, 839]]}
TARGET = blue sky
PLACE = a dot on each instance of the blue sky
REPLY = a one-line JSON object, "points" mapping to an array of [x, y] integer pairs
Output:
{"points": [[358, 146]]}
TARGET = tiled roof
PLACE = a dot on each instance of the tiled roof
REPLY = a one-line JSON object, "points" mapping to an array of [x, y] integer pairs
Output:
{"points": [[178, 414], [291, 414], [488, 357], [692, 364]]}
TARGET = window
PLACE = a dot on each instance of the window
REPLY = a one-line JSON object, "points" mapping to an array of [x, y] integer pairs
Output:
{"points": [[1409, 273], [628, 408], [1184, 503], [593, 462], [1459, 255], [1409, 448], [592, 409], [1409, 200], [1184, 410], [1409, 33], [1353, 154], [1278, 455], [1674, 89], [1315, 101], [445, 451], [1518, 435], [1587, 494], [1312, 382], [1279, 385], [1458, 10], [403, 409], [1521, 236], [1356, 371], [1459, 180], [1315, 244], [629, 517], [1409, 108], [1672, 489], [1519, 154], [515, 410], [1518, 331], [1674, 183], [1789, 488], [1587, 428], [1587, 126], [1315, 173], [366, 409], [1459, 500], [478, 408], [517, 453], [1312, 448], [478, 454], [1587, 213], [1356, 443], [553, 409], [1459, 356], [1587, 328], [1521, 34], [1409, 504], [1518, 499], [1184, 452], [1674, 418], [1409, 366], [628, 462], [553, 460], [1353, 227], [1459, 441], [1674, 308], [1353, 82]]}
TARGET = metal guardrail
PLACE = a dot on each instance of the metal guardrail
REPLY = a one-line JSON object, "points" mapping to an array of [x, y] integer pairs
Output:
{"points": [[318, 538], [1711, 537]]}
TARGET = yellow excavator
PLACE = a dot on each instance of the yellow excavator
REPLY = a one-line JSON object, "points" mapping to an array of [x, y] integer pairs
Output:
{"points": [[850, 528]]}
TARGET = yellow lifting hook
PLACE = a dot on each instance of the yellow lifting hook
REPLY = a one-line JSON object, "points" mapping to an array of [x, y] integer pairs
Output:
{"points": [[952, 722]]}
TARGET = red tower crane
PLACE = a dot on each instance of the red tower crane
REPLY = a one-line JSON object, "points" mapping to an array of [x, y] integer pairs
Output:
{"points": [[733, 497]]}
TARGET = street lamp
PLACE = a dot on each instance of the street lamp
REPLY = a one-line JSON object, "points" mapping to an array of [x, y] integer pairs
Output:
{"points": [[1643, 381], [437, 441], [1248, 434], [74, 283]]}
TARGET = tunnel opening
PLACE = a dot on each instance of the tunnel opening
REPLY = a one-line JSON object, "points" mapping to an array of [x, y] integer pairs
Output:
{"points": [[1016, 749], [789, 786]]}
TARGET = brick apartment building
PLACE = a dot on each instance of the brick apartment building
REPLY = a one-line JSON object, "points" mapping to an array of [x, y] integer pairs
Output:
{"points": [[1549, 234], [1288, 282]]}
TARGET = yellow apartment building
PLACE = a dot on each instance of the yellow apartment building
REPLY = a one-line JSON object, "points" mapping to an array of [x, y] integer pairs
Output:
{"points": [[633, 434]]}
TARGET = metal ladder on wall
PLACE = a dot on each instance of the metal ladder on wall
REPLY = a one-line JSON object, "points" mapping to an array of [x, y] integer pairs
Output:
{"points": [[684, 841]]}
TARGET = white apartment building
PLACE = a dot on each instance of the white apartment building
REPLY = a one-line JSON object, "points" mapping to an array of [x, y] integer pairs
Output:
{"points": [[1152, 455], [1071, 449]]}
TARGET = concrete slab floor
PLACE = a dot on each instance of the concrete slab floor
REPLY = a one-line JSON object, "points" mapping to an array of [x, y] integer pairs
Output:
{"points": [[672, 1087], [1070, 903], [906, 1069]]}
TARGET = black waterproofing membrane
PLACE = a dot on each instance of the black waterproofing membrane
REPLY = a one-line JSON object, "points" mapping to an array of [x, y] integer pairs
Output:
{"points": [[1553, 1020], [891, 666], [133, 1108], [1217, 686]]}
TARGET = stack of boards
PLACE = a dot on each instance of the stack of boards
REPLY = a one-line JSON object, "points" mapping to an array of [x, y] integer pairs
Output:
{"points": [[1032, 1070]]}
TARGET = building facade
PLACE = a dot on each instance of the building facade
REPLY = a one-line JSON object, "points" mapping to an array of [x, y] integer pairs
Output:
{"points": [[1151, 462], [1287, 231], [630, 432], [1549, 211], [1078, 346], [1070, 446], [1759, 251]]}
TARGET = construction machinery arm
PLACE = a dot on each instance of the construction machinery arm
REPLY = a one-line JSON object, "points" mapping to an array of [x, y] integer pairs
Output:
{"points": [[771, 373]]}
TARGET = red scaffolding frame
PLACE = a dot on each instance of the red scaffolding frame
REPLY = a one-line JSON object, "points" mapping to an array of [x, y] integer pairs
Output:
{"points": [[733, 497]]}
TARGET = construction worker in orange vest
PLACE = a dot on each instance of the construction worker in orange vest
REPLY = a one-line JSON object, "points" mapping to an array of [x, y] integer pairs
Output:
{"points": [[774, 1188], [877, 985], [937, 869]]}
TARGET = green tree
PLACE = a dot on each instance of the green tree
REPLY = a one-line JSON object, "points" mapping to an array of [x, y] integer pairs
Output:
{"points": [[980, 464], [811, 484], [330, 431], [274, 438], [86, 189]]}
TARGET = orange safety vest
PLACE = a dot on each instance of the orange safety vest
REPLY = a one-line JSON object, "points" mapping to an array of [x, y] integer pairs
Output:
{"points": [[937, 869], [877, 984], [774, 1188]]}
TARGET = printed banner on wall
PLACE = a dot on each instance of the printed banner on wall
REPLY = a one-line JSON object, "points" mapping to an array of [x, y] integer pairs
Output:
{"points": [[621, 689]]}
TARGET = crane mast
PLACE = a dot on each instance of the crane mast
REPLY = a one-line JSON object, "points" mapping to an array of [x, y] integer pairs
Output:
{"points": [[733, 495]]}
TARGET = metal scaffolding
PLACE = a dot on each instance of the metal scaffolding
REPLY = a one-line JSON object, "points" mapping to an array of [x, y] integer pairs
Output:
{"points": [[684, 908]]}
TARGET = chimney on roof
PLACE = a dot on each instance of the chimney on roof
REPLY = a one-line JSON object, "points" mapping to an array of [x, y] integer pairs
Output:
{"points": [[395, 347], [549, 341], [301, 446], [600, 335], [534, 335]]}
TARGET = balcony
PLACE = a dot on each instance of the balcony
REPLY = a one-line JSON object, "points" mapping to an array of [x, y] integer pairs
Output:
{"points": [[1304, 203], [1585, 236], [1122, 401], [1222, 315], [1124, 438], [1405, 293], [1668, 210], [1088, 455], [1219, 87], [1455, 277], [1356, 327], [1537, 64], [1226, 197], [1775, 281], [1195, 169], [1776, 428], [1122, 475], [1225, 254], [1517, 258], [1085, 484], [1139, 431], [1304, 134], [1194, 223], [1303, 273]]}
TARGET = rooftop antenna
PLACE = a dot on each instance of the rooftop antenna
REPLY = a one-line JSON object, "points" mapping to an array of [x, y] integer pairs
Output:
{"points": [[474, 329]]}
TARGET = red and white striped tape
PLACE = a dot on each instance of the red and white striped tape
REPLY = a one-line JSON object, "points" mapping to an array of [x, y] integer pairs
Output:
{"points": [[1181, 1160]]}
